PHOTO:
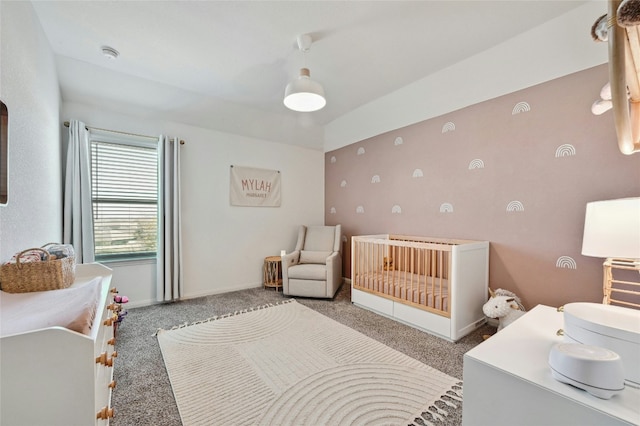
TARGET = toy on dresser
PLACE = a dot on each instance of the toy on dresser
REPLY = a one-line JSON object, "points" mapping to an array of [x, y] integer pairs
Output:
{"points": [[504, 306], [118, 313]]}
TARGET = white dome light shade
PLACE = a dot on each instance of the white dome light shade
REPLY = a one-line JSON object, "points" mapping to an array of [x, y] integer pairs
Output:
{"points": [[304, 94]]}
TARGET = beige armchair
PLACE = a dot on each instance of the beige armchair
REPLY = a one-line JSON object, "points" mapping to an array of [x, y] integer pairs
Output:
{"points": [[314, 268]]}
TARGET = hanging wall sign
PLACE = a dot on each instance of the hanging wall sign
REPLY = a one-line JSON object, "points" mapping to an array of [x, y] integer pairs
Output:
{"points": [[254, 187]]}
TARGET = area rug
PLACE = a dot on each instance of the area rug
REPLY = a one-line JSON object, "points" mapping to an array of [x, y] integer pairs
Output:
{"points": [[287, 364]]}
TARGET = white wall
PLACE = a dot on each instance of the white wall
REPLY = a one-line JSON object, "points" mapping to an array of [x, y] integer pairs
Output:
{"points": [[557, 48], [224, 246], [29, 88]]}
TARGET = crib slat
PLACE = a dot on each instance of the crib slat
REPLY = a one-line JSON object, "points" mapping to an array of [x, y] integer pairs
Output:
{"points": [[392, 267], [378, 265], [440, 278]]}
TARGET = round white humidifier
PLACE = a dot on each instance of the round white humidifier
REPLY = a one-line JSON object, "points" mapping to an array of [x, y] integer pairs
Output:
{"points": [[596, 370]]}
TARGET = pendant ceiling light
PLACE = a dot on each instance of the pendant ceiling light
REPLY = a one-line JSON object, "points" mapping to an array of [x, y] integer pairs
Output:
{"points": [[304, 94]]}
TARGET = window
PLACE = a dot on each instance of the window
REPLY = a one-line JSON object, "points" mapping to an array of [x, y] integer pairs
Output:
{"points": [[124, 192]]}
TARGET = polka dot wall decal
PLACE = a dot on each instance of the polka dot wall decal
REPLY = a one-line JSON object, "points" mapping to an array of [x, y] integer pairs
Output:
{"points": [[417, 173], [515, 206], [520, 107], [449, 126], [360, 151], [343, 184], [398, 141], [333, 210], [359, 209], [566, 262], [333, 159], [375, 179], [446, 208], [396, 209], [565, 150], [476, 164]]}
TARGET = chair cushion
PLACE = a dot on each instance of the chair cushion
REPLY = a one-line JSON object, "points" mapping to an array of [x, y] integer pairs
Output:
{"points": [[319, 238], [307, 256], [308, 271]]}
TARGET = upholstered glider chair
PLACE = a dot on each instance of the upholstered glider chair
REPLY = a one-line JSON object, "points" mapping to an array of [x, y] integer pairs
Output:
{"points": [[314, 268]]}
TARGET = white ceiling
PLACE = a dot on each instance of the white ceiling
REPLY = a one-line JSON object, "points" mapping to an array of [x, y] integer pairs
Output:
{"points": [[224, 64]]}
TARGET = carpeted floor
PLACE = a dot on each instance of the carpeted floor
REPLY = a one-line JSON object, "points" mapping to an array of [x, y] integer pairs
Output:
{"points": [[143, 395]]}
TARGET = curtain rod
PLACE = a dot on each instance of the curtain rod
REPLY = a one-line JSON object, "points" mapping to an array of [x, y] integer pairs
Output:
{"points": [[66, 124]]}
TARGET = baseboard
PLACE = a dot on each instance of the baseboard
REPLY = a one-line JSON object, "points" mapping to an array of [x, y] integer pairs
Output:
{"points": [[149, 302], [221, 291], [139, 304]]}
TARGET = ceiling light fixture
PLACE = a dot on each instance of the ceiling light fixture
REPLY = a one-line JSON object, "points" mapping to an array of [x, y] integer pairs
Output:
{"points": [[110, 52], [304, 94]]}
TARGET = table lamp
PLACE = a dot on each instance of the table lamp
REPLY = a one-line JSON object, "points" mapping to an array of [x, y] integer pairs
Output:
{"points": [[612, 231]]}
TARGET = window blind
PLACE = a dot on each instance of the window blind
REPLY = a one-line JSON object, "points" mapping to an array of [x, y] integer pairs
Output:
{"points": [[124, 191]]}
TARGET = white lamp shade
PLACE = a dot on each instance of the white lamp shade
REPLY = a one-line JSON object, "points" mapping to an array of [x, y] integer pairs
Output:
{"points": [[612, 229], [304, 94]]}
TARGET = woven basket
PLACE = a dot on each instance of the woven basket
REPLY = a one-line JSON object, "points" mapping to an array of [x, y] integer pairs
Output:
{"points": [[49, 274]]}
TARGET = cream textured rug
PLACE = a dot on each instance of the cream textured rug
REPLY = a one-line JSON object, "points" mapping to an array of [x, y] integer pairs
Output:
{"points": [[286, 364]]}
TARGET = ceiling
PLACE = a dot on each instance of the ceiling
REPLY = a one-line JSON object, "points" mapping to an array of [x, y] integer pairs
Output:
{"points": [[224, 65]]}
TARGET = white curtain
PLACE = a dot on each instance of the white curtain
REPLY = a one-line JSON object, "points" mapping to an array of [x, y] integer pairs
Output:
{"points": [[169, 267], [78, 213]]}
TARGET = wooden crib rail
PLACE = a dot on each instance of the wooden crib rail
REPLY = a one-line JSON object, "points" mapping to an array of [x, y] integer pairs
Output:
{"points": [[430, 240]]}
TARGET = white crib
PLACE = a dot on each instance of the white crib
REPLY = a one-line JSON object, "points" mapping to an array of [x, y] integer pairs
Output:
{"points": [[436, 285]]}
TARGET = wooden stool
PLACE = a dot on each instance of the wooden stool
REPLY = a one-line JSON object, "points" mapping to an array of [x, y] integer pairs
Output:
{"points": [[272, 272]]}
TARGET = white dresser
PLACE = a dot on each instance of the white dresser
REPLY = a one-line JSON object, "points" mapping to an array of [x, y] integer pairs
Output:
{"points": [[54, 376], [507, 381]]}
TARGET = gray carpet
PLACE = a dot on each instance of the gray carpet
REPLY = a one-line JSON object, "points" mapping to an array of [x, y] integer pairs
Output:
{"points": [[143, 395]]}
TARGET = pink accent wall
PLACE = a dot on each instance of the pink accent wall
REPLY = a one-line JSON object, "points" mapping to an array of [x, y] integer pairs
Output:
{"points": [[516, 170]]}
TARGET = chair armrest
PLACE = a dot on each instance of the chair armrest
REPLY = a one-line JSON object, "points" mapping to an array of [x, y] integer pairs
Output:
{"points": [[333, 258], [334, 273], [334, 265], [290, 259]]}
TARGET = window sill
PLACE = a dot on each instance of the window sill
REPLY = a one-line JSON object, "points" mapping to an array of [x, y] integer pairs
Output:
{"points": [[128, 262]]}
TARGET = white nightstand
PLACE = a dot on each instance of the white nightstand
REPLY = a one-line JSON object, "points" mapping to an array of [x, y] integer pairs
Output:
{"points": [[507, 381]]}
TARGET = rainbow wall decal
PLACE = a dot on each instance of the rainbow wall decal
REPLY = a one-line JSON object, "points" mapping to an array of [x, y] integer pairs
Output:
{"points": [[375, 179], [565, 150], [333, 159], [343, 184], [520, 107], [449, 126], [360, 151], [398, 141], [396, 209], [566, 262], [515, 206], [417, 173], [446, 208], [476, 164], [360, 210], [333, 210]]}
